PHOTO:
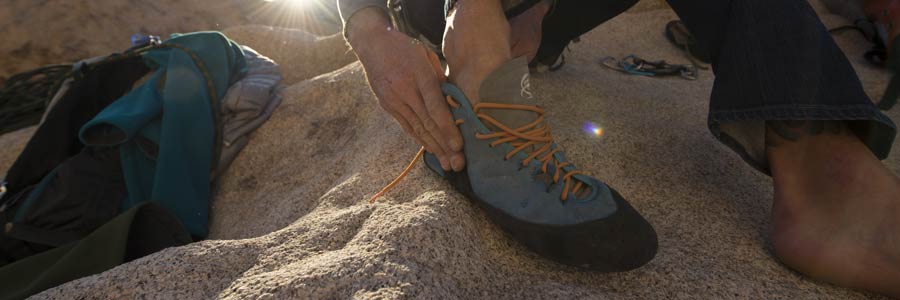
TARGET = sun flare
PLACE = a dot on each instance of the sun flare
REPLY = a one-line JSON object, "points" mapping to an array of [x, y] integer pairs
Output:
{"points": [[593, 129], [314, 16]]}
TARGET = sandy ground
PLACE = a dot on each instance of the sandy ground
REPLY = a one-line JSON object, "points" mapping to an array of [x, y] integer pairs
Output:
{"points": [[291, 220]]}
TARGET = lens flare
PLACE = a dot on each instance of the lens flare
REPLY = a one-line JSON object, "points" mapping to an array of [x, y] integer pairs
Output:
{"points": [[314, 16], [593, 129]]}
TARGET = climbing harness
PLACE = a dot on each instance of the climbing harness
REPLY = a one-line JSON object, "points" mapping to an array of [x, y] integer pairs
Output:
{"points": [[24, 96], [140, 40], [634, 65]]}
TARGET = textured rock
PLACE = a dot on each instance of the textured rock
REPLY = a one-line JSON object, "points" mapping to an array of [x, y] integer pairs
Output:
{"points": [[290, 219], [305, 54], [41, 32], [37, 33]]}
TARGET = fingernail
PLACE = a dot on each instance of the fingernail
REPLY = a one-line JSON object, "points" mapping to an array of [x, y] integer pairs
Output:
{"points": [[444, 164], [458, 163]]}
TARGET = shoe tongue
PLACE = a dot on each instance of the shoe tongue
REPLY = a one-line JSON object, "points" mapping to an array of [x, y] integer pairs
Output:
{"points": [[509, 84]]}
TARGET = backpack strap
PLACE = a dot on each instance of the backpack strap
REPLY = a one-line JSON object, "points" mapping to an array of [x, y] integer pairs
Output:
{"points": [[40, 236]]}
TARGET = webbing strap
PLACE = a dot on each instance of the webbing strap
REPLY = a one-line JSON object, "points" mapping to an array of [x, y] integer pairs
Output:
{"points": [[41, 236]]}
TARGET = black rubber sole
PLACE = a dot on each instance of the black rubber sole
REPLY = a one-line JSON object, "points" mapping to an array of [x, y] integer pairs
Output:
{"points": [[621, 242]]}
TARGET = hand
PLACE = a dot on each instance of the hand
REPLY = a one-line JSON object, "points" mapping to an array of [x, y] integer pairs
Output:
{"points": [[405, 77]]}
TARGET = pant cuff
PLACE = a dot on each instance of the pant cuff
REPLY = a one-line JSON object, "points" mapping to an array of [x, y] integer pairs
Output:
{"points": [[744, 130]]}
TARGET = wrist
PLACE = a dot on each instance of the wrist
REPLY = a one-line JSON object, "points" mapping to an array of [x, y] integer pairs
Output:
{"points": [[366, 25]]}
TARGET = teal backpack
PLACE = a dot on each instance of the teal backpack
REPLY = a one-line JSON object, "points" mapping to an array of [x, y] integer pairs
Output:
{"points": [[121, 165]]}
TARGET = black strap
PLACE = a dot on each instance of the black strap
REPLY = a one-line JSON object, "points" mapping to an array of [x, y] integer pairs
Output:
{"points": [[40, 236]]}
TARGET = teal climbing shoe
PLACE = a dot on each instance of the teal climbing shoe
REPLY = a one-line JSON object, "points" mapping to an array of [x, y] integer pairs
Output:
{"points": [[520, 177]]}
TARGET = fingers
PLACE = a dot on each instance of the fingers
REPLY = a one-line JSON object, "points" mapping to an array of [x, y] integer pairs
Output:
{"points": [[436, 111], [434, 114], [436, 64], [432, 131], [410, 122], [409, 89]]}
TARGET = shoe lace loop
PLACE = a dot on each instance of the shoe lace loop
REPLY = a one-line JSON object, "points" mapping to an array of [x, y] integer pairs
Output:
{"points": [[521, 138], [532, 134]]}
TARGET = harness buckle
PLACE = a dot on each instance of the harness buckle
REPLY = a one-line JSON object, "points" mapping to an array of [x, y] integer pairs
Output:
{"points": [[139, 40]]}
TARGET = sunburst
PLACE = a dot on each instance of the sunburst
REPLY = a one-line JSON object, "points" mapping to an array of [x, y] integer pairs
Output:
{"points": [[316, 16]]}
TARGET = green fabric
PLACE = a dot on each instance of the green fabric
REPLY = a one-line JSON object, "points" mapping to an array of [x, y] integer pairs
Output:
{"points": [[102, 250], [176, 175]]}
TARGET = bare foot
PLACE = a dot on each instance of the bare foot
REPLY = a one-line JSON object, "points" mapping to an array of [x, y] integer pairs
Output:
{"points": [[836, 215], [476, 41], [525, 38]]}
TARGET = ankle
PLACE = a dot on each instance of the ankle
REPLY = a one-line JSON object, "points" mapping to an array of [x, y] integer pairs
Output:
{"points": [[812, 170], [476, 41], [800, 145], [469, 76], [471, 59]]}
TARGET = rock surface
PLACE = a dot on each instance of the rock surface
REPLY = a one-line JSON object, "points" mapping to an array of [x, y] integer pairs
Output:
{"points": [[290, 219], [302, 55], [42, 32]]}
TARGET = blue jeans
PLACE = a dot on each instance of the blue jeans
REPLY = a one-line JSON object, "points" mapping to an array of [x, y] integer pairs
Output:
{"points": [[772, 60]]}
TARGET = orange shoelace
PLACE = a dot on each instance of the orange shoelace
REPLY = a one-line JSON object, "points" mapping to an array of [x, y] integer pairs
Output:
{"points": [[529, 135]]}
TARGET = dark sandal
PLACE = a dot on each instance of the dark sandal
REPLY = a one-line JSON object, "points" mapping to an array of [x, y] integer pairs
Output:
{"points": [[678, 34]]}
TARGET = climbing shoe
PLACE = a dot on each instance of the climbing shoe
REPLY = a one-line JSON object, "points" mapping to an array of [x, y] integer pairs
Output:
{"points": [[520, 177]]}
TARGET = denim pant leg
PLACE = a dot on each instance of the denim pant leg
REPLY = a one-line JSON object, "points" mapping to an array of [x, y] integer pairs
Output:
{"points": [[774, 60], [569, 19], [566, 20]]}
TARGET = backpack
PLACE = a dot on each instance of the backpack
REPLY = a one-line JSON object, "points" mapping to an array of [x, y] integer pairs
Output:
{"points": [[45, 205], [104, 146]]}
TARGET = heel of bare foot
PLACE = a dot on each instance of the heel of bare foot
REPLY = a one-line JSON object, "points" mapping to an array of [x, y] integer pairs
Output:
{"points": [[836, 214]]}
